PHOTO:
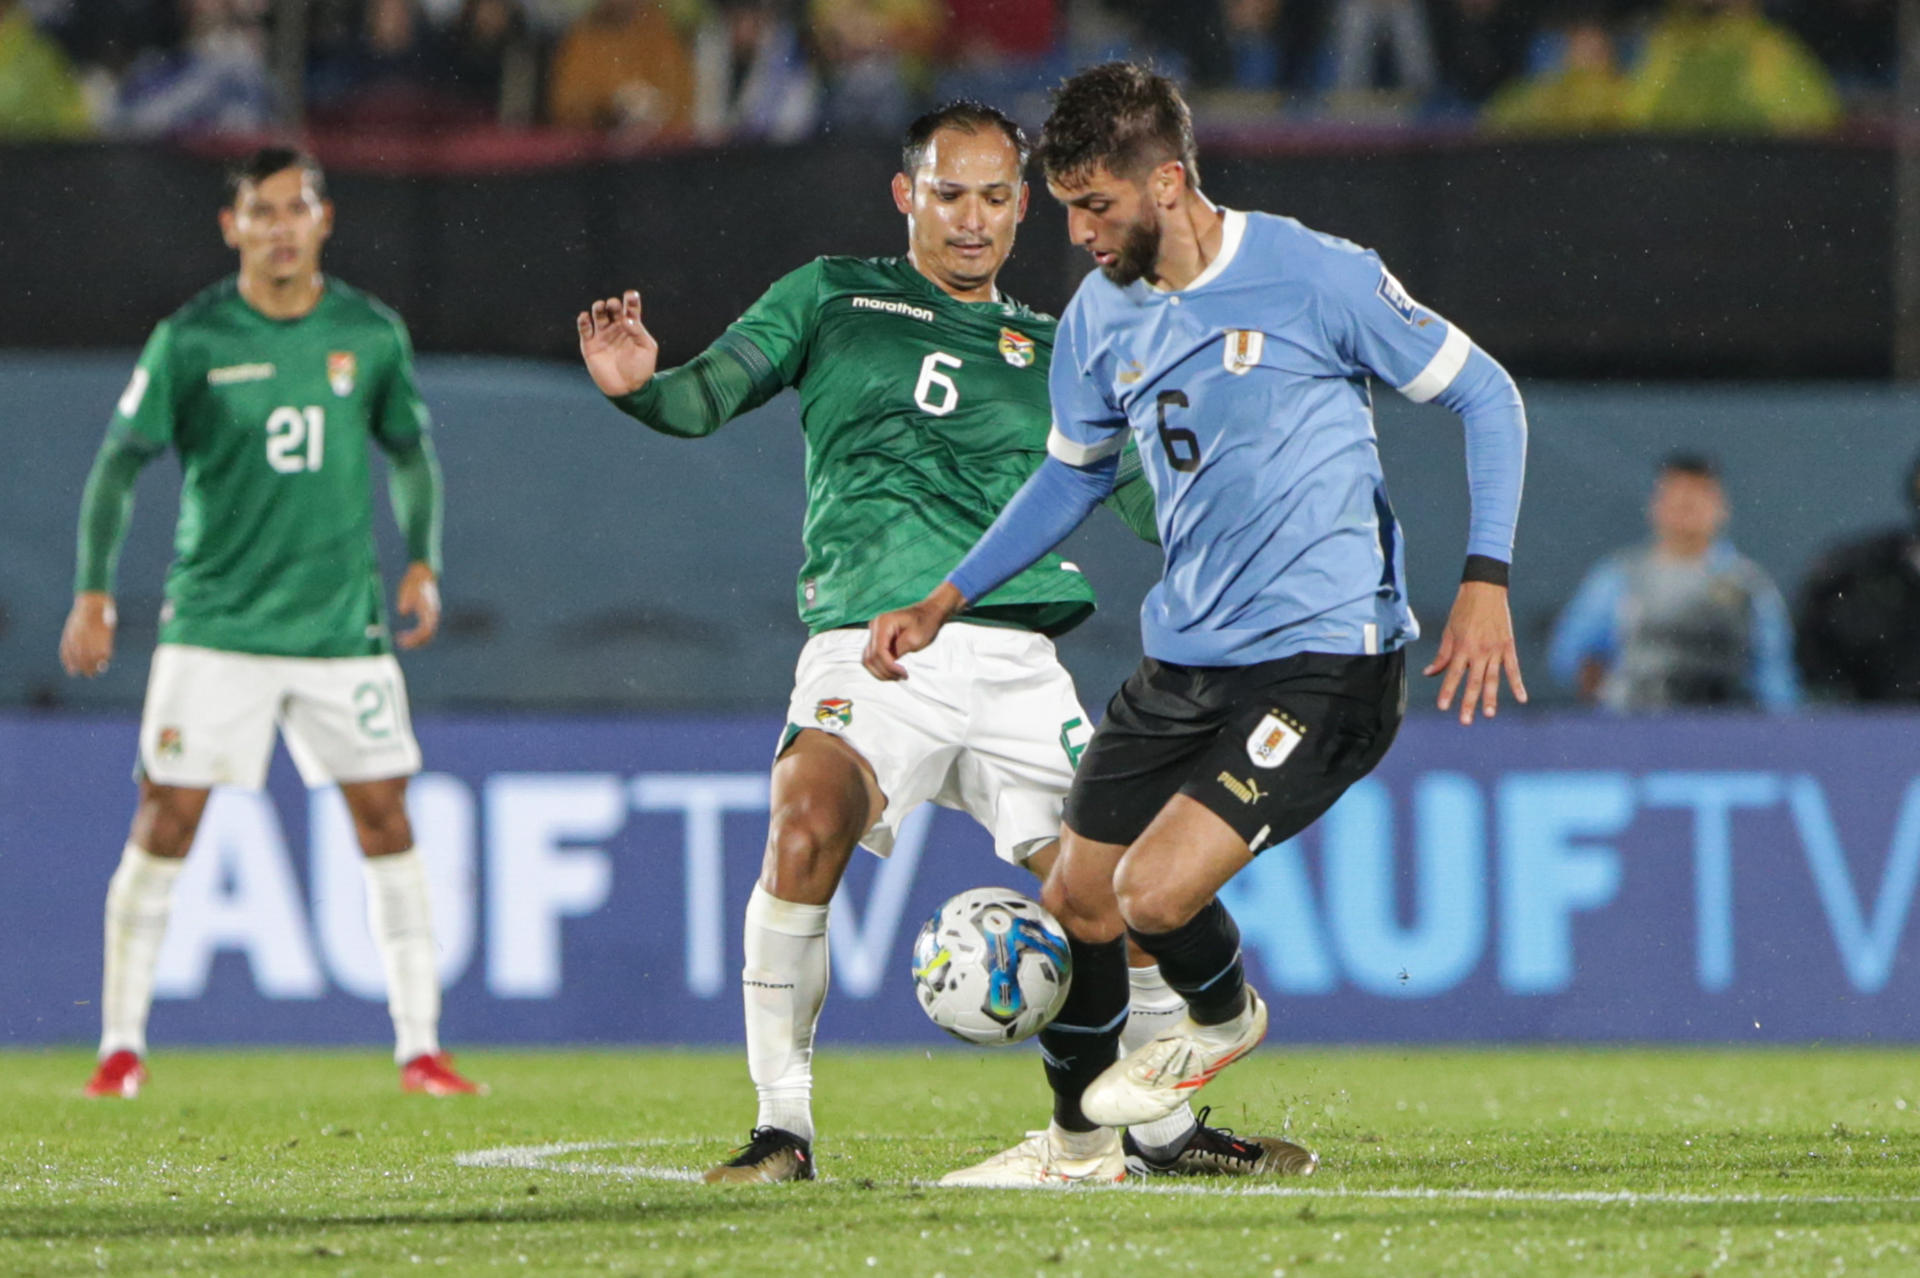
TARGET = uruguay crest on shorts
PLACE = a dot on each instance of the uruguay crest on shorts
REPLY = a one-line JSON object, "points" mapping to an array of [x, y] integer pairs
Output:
{"points": [[341, 366], [1273, 740], [1016, 348], [834, 713]]}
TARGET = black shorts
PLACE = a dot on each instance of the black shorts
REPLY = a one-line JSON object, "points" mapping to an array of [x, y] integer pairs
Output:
{"points": [[1267, 748]]}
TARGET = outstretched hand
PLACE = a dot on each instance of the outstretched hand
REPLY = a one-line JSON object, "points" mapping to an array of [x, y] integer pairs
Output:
{"points": [[892, 635], [617, 348], [1476, 647]]}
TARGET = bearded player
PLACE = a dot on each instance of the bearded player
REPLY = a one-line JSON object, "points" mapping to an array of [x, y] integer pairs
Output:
{"points": [[1238, 350], [923, 393], [270, 385]]}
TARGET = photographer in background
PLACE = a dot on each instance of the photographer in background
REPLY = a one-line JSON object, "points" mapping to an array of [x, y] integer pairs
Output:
{"points": [[1684, 620], [1858, 629]]}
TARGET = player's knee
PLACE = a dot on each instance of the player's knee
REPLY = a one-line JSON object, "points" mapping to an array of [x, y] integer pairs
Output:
{"points": [[380, 817], [1082, 908], [165, 835], [808, 844], [1148, 903], [384, 831], [1057, 899], [166, 821]]}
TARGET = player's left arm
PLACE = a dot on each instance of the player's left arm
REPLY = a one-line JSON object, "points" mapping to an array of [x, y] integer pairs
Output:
{"points": [[1775, 681], [414, 487], [1478, 644], [1377, 326]]}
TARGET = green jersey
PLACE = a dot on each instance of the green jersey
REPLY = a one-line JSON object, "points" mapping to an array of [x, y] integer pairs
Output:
{"points": [[923, 416], [274, 550]]}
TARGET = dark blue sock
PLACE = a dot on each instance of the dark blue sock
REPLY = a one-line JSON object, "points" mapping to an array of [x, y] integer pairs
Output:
{"points": [[1201, 961], [1085, 1038]]}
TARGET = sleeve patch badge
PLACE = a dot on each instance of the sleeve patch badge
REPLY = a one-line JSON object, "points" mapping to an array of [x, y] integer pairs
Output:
{"points": [[341, 367], [1395, 296], [1276, 737], [1242, 351], [834, 713], [1016, 348], [135, 392]]}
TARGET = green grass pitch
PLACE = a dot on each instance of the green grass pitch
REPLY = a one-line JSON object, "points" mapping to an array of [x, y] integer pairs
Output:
{"points": [[1536, 1162]]}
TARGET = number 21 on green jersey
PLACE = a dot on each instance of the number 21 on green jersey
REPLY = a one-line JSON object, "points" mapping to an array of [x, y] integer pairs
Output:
{"points": [[296, 439]]}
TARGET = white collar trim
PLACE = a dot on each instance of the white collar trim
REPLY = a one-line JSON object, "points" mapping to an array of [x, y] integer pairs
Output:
{"points": [[1233, 226]]}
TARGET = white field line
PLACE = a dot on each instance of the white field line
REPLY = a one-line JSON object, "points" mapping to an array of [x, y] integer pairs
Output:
{"points": [[542, 1158]]}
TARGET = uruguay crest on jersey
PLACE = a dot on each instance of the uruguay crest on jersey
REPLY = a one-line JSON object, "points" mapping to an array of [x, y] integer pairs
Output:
{"points": [[1016, 348], [341, 367], [1243, 349]]}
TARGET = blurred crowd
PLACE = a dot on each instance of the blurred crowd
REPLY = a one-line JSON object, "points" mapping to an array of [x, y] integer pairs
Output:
{"points": [[785, 70]]}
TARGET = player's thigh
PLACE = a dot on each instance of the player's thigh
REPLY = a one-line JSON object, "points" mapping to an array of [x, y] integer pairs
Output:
{"points": [[1156, 730], [347, 720], [1302, 731], [208, 718], [907, 733], [1178, 864]]}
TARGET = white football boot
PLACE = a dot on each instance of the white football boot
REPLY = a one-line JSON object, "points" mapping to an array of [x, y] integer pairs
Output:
{"points": [[1038, 1162], [1151, 1083]]}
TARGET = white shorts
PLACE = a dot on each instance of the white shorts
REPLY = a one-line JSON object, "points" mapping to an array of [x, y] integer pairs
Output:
{"points": [[210, 717], [986, 723]]}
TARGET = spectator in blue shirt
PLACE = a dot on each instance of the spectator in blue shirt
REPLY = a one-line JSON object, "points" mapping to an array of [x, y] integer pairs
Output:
{"points": [[1684, 620]]}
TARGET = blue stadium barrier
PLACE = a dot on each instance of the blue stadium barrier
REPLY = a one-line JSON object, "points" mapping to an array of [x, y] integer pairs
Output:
{"points": [[1726, 879]]}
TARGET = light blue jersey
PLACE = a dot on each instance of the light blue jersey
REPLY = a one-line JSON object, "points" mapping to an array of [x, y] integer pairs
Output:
{"points": [[1248, 393]]}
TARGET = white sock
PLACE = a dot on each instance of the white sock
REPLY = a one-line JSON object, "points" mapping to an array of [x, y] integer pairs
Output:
{"points": [[139, 897], [1081, 1144], [1227, 1031], [1154, 1008], [784, 985], [400, 917]]}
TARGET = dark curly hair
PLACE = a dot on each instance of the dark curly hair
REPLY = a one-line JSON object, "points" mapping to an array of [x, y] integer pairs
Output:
{"points": [[1122, 116], [967, 116]]}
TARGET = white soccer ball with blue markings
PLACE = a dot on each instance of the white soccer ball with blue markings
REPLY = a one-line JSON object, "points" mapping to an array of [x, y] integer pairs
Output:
{"points": [[991, 966]]}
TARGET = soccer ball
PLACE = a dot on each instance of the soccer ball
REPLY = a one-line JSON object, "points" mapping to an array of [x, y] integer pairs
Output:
{"points": [[991, 966]]}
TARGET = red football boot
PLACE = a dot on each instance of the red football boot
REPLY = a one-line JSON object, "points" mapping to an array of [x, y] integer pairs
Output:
{"points": [[434, 1075], [119, 1075]]}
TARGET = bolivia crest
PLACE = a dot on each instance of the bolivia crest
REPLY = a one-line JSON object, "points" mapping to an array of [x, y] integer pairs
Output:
{"points": [[169, 745], [1273, 740], [341, 366], [1016, 348], [834, 713], [1243, 350]]}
